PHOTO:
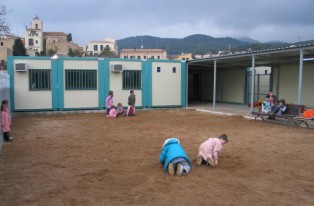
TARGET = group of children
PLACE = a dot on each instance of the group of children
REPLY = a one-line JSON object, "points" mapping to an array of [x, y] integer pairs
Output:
{"points": [[270, 105], [6, 121], [176, 162], [112, 111]]}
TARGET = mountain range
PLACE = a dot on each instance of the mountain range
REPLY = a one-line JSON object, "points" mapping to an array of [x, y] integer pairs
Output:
{"points": [[199, 44]]}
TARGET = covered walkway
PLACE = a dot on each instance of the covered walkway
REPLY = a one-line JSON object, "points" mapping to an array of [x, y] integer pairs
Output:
{"points": [[222, 79]]}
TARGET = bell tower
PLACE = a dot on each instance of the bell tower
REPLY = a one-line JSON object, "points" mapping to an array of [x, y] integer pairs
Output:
{"points": [[34, 36]]}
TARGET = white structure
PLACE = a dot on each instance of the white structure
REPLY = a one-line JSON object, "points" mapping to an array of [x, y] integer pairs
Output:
{"points": [[43, 83], [143, 54], [96, 47], [34, 36]]}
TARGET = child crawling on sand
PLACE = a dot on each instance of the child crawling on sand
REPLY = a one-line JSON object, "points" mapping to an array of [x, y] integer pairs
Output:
{"points": [[174, 158], [209, 150]]}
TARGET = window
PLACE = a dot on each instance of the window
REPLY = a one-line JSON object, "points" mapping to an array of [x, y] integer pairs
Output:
{"points": [[95, 47], [125, 56], [174, 70], [39, 79], [158, 69], [80, 79], [132, 79], [30, 42], [36, 41], [1, 43], [144, 57], [101, 47], [138, 57], [152, 57], [158, 57]]}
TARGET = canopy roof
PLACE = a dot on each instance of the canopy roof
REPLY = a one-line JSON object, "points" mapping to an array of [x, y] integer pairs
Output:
{"points": [[269, 57]]}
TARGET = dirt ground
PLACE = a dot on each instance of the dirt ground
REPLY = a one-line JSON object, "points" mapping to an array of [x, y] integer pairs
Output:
{"points": [[88, 159]]}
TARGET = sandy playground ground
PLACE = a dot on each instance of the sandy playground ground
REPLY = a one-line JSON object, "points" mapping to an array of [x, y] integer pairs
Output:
{"points": [[88, 159]]}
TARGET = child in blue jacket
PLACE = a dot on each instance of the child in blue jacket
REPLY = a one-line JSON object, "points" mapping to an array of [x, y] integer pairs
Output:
{"points": [[174, 158]]}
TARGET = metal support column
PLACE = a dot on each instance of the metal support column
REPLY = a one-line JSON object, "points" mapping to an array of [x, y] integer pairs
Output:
{"points": [[300, 77], [214, 92], [252, 83], [187, 85]]}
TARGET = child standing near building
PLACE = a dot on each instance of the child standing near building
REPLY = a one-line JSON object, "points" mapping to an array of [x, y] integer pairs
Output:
{"points": [[109, 102], [5, 123], [131, 99], [6, 102], [174, 158], [209, 150]]}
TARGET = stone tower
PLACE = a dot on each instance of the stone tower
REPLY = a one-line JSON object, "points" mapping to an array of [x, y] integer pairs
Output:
{"points": [[34, 35]]}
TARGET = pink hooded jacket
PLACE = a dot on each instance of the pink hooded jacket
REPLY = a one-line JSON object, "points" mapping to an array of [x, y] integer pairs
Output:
{"points": [[210, 148], [113, 113], [5, 121]]}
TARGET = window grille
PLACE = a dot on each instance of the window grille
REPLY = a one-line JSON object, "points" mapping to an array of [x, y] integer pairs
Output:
{"points": [[80, 79], [132, 79], [39, 79]]}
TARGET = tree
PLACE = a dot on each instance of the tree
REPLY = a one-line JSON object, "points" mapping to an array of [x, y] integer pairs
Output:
{"points": [[71, 53], [18, 48], [4, 27], [106, 51], [69, 37], [52, 51], [74, 53]]}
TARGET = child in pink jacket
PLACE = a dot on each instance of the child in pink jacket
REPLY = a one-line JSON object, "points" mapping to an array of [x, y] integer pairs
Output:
{"points": [[209, 150], [109, 102], [5, 123], [112, 112]]}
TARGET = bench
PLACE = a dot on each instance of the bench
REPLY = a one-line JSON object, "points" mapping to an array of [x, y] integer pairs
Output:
{"points": [[292, 111], [299, 120]]}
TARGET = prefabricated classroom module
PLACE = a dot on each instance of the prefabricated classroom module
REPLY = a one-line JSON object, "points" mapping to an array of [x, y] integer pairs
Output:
{"points": [[65, 83]]}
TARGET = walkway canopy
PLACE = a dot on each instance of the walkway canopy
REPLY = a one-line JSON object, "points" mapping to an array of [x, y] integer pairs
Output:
{"points": [[274, 58]]}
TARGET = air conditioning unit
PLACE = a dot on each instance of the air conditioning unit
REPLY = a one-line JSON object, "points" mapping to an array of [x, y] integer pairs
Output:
{"points": [[21, 67], [116, 68]]}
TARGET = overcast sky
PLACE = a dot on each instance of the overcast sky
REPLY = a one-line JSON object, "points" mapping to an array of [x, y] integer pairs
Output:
{"points": [[262, 20]]}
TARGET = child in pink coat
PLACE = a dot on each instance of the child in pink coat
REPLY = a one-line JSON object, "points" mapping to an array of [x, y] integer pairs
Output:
{"points": [[209, 150], [5, 123], [112, 112], [109, 102]]}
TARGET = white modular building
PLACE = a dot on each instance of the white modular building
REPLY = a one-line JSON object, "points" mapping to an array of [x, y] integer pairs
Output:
{"points": [[42, 83]]}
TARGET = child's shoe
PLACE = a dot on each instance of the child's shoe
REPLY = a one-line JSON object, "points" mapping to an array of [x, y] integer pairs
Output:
{"points": [[171, 169], [210, 162], [199, 161], [179, 169], [10, 139]]}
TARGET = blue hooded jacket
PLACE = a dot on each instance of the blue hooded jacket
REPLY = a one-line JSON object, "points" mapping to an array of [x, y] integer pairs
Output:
{"points": [[171, 150]]}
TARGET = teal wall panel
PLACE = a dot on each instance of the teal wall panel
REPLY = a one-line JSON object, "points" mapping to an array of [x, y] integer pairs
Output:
{"points": [[147, 83], [60, 73], [106, 79], [54, 84], [10, 68], [101, 84], [183, 84]]}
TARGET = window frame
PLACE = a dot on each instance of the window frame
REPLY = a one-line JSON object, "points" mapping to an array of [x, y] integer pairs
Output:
{"points": [[80, 79], [132, 80], [42, 79]]}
